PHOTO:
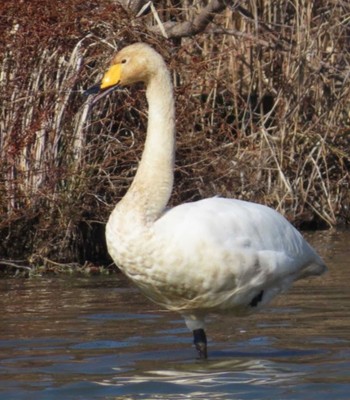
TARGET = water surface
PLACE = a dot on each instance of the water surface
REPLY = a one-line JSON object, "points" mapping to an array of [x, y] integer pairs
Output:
{"points": [[98, 338]]}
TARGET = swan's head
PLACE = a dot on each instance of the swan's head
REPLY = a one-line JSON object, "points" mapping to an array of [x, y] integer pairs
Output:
{"points": [[135, 63]]}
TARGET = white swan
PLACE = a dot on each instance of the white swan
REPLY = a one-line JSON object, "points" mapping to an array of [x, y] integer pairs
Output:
{"points": [[213, 255]]}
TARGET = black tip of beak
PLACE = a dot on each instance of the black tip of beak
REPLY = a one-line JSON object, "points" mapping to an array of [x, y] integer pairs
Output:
{"points": [[98, 93], [92, 90]]}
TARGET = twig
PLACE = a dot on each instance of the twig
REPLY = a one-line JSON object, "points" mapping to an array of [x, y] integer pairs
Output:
{"points": [[197, 25], [14, 265]]}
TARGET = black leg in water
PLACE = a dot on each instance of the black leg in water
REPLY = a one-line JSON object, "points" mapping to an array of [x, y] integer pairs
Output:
{"points": [[200, 341]]}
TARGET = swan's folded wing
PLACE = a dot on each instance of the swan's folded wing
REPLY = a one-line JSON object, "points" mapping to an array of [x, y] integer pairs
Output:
{"points": [[232, 244]]}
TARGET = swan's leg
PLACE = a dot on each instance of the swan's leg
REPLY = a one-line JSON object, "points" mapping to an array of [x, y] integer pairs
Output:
{"points": [[195, 323], [200, 341]]}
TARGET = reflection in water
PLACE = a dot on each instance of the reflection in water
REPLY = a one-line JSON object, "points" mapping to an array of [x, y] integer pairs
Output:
{"points": [[216, 374], [98, 338]]}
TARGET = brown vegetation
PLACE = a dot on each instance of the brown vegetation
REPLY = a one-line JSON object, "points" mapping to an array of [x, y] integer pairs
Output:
{"points": [[262, 113]]}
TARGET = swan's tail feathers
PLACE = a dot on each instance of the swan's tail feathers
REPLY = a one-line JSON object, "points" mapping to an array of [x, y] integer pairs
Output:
{"points": [[313, 269]]}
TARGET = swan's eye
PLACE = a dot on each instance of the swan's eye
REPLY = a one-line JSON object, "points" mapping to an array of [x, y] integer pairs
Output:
{"points": [[123, 60]]}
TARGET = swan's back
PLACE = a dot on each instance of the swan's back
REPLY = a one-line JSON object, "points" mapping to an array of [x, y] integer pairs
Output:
{"points": [[235, 224]]}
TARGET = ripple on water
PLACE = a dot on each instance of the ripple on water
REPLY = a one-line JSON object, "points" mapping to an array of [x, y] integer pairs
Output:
{"points": [[98, 338]]}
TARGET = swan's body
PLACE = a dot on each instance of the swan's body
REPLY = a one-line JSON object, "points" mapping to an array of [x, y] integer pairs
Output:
{"points": [[213, 255]]}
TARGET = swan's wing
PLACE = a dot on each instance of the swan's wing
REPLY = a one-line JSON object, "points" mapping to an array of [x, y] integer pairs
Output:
{"points": [[231, 245]]}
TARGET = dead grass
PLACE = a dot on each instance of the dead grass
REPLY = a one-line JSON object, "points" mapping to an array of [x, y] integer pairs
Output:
{"points": [[262, 114]]}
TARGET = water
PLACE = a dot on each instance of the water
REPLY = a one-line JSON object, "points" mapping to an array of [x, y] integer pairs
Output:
{"points": [[98, 338]]}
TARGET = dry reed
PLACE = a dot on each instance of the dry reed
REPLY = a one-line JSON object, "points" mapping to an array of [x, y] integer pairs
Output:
{"points": [[267, 120]]}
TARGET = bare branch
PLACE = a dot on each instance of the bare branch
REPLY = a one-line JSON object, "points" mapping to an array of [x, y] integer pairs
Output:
{"points": [[12, 264], [197, 25], [133, 6], [175, 29]]}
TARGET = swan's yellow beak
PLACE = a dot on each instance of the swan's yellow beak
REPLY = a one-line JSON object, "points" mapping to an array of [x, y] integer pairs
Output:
{"points": [[109, 83], [111, 77]]}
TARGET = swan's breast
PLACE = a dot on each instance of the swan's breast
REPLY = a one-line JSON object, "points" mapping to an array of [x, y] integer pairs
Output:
{"points": [[165, 274]]}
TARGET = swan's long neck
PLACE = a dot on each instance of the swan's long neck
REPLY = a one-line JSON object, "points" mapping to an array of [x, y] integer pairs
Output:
{"points": [[153, 182]]}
